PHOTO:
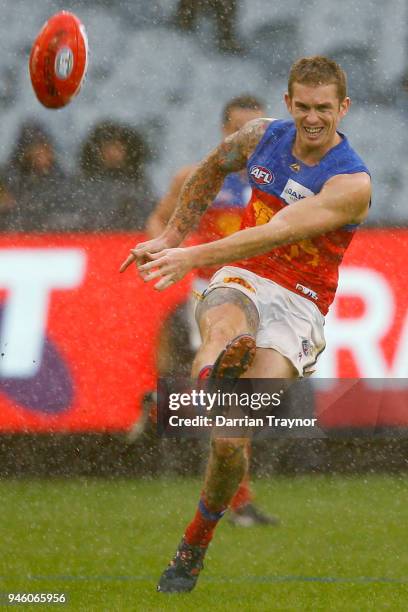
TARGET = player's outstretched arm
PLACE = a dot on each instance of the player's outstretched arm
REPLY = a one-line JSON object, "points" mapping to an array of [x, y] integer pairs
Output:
{"points": [[200, 189], [343, 200]]}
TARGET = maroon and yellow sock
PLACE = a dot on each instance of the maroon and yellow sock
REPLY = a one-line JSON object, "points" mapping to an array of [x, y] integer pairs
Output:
{"points": [[201, 529]]}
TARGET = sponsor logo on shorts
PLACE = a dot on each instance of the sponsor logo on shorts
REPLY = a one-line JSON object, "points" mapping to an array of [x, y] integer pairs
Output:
{"points": [[261, 175], [306, 347], [294, 191], [307, 291], [238, 281]]}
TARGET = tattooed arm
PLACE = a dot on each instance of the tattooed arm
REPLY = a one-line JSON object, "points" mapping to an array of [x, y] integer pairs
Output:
{"points": [[201, 188], [344, 199]]}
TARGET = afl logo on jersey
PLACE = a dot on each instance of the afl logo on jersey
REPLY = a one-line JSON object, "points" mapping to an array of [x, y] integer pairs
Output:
{"points": [[261, 175]]}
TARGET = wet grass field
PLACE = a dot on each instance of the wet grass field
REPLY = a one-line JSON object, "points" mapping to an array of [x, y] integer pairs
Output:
{"points": [[342, 545]]}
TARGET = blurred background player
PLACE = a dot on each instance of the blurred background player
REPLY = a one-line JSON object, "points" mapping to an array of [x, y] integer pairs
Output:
{"points": [[221, 219]]}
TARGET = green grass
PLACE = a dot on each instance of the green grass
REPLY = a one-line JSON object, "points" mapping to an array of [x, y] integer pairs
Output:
{"points": [[342, 545]]}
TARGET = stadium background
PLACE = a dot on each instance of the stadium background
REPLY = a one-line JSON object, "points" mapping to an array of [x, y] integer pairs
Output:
{"points": [[100, 328]]}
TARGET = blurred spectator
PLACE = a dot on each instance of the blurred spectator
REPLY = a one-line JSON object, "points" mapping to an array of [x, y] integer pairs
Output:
{"points": [[225, 19], [35, 180], [113, 191]]}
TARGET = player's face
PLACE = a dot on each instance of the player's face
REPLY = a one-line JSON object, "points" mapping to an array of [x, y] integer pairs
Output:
{"points": [[239, 117], [316, 112]]}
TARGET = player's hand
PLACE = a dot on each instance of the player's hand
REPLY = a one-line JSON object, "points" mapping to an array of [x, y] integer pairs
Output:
{"points": [[140, 253], [170, 266]]}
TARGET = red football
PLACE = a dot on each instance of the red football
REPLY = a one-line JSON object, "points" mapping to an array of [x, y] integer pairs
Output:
{"points": [[58, 60]]}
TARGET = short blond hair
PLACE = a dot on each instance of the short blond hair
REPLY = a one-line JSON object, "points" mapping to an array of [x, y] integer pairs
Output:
{"points": [[318, 70]]}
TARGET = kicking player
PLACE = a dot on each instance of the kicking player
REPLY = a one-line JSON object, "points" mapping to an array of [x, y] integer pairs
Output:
{"points": [[221, 219], [310, 193]]}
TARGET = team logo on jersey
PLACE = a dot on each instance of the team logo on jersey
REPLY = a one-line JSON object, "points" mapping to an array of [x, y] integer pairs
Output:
{"points": [[261, 175], [295, 167], [294, 191]]}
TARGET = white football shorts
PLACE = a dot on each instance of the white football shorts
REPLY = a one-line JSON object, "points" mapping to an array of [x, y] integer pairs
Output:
{"points": [[288, 323]]}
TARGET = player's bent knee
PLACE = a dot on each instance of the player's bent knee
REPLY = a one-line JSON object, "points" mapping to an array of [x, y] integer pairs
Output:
{"points": [[231, 315], [222, 332]]}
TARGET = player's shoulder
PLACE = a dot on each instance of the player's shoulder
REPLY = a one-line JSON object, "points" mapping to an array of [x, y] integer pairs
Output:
{"points": [[265, 129], [346, 157], [251, 134], [342, 171]]}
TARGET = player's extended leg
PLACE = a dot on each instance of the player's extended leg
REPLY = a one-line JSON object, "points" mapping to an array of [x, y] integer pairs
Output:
{"points": [[216, 332], [227, 465], [224, 314]]}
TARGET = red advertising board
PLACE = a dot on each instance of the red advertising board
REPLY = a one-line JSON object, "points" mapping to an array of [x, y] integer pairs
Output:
{"points": [[367, 326], [367, 336], [78, 339]]}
